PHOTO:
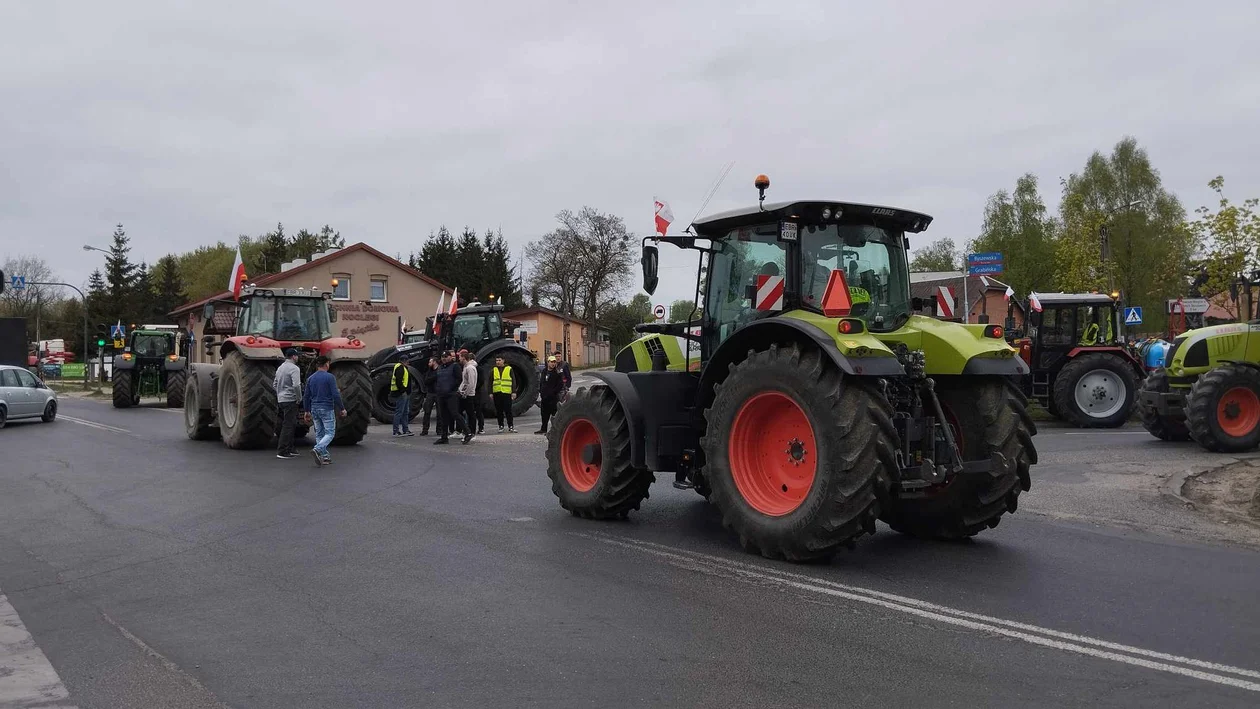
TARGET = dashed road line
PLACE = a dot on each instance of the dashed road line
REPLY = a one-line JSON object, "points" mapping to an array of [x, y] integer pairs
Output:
{"points": [[27, 678], [1046, 637], [93, 424]]}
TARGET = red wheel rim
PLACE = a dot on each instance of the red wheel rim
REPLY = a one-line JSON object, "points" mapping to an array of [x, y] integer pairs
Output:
{"points": [[1238, 411], [582, 475], [773, 454]]}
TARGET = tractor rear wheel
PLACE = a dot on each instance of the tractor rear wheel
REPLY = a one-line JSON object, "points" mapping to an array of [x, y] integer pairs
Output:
{"points": [[355, 384], [588, 458], [248, 415], [1223, 409], [123, 395], [1095, 391], [799, 456], [175, 384], [383, 400], [986, 415], [1165, 428], [198, 421]]}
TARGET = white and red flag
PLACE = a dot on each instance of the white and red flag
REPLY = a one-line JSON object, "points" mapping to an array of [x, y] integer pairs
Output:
{"points": [[437, 327], [454, 302], [1034, 302], [664, 216], [237, 277], [945, 301], [1010, 292]]}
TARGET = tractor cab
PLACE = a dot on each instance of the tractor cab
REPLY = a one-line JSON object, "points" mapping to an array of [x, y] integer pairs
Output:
{"points": [[153, 342], [1067, 322], [474, 326], [287, 315]]}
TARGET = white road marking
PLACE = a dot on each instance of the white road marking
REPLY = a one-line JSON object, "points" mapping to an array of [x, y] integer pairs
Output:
{"points": [[26, 676], [1107, 433], [1046, 637], [93, 424]]}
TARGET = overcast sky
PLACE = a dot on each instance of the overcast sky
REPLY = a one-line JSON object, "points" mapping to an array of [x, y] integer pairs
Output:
{"points": [[195, 122]]}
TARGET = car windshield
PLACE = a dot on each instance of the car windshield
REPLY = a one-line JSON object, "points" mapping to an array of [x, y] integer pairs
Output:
{"points": [[874, 266], [151, 345], [290, 319]]}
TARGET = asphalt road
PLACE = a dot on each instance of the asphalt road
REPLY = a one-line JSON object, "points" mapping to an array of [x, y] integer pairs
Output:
{"points": [[154, 571]]}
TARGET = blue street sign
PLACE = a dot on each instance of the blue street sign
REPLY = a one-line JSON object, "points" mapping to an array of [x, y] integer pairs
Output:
{"points": [[1133, 316], [17, 282], [987, 257], [985, 269], [116, 332]]}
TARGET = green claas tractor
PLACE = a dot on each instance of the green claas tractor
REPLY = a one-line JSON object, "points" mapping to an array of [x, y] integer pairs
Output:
{"points": [[819, 403], [150, 364], [1209, 388], [237, 399]]}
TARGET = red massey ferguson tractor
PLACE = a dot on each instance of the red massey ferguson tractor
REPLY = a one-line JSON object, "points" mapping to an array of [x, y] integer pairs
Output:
{"points": [[236, 400]]}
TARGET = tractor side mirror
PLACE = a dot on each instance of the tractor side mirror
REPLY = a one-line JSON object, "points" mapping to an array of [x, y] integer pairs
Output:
{"points": [[650, 261], [207, 312], [332, 315]]}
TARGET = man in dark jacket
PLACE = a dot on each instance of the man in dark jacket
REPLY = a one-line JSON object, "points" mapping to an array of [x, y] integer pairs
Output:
{"points": [[430, 399], [446, 387], [549, 389]]}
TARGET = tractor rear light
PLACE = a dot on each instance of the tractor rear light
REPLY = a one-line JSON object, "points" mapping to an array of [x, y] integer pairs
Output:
{"points": [[172, 357], [994, 331], [250, 340], [126, 355], [850, 326]]}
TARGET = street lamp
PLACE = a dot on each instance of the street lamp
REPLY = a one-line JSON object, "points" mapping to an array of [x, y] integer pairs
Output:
{"points": [[95, 248]]}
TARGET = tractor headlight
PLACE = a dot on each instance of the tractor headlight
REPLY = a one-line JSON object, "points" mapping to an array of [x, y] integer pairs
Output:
{"points": [[826, 213]]}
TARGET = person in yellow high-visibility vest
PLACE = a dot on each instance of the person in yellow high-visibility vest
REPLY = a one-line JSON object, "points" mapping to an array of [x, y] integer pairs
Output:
{"points": [[503, 391], [400, 386]]}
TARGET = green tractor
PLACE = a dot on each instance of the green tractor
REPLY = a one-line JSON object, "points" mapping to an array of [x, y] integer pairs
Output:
{"points": [[819, 402], [1209, 388], [151, 364]]}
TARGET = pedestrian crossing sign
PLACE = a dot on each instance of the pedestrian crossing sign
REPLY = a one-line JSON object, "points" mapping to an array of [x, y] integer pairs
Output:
{"points": [[1133, 316]]}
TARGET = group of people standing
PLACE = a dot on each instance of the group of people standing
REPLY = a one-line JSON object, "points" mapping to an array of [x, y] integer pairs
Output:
{"points": [[320, 402]]}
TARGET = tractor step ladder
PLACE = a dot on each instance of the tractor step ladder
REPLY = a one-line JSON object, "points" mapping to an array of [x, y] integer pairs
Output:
{"points": [[1041, 386]]}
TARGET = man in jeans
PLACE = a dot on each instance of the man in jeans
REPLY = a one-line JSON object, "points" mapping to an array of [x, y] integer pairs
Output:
{"points": [[288, 385], [400, 386], [468, 393], [322, 402]]}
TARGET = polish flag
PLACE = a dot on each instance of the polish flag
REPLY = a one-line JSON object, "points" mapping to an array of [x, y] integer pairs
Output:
{"points": [[1009, 292], [664, 216], [237, 278], [1034, 302], [454, 302], [437, 326]]}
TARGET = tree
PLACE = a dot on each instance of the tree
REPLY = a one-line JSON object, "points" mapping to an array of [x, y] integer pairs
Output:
{"points": [[583, 265], [22, 303], [1017, 226], [168, 287], [555, 271], [439, 257], [619, 319], [273, 251], [1151, 248], [205, 269], [119, 274], [305, 244], [681, 310], [940, 255], [499, 277], [140, 306], [470, 263], [1231, 238]]}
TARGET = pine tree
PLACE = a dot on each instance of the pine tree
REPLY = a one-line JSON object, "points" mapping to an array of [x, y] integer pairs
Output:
{"points": [[438, 257], [499, 277], [470, 262], [140, 307], [273, 250], [120, 275], [168, 287]]}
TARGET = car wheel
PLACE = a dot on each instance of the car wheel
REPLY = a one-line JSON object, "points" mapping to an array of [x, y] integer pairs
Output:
{"points": [[50, 412]]}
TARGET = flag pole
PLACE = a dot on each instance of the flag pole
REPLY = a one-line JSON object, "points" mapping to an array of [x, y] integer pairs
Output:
{"points": [[966, 309]]}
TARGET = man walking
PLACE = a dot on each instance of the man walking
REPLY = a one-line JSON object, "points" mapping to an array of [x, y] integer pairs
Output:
{"points": [[322, 401], [400, 385], [468, 393], [430, 399], [477, 418], [549, 390], [446, 384], [503, 391], [288, 386]]}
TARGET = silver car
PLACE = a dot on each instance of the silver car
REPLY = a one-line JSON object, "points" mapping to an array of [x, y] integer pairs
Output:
{"points": [[22, 396]]}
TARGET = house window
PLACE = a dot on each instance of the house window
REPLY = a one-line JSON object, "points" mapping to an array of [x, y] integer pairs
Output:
{"points": [[546, 348], [342, 290], [379, 291]]}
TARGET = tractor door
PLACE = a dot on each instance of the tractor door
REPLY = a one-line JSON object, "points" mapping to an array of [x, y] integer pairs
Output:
{"points": [[737, 261]]}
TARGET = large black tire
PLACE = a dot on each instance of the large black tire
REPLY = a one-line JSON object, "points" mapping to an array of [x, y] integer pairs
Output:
{"points": [[988, 415], [846, 421], [198, 421], [383, 402], [1165, 428], [1223, 409], [1093, 376], [252, 419], [175, 384], [524, 374], [607, 486], [123, 395], [355, 385]]}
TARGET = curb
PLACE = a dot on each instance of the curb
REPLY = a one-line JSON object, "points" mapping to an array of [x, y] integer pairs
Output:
{"points": [[1175, 485]]}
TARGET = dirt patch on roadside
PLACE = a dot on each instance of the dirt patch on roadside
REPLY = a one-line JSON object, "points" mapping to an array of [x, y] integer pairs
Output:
{"points": [[1232, 489]]}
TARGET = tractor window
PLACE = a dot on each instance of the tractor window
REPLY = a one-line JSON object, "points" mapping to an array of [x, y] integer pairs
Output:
{"points": [[469, 330], [303, 320], [874, 266], [145, 345], [740, 257], [1056, 327], [259, 318], [1094, 325]]}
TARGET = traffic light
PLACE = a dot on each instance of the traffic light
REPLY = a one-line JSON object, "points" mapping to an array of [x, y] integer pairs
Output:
{"points": [[3, 281]]}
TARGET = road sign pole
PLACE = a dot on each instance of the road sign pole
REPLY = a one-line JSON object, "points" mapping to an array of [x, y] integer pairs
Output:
{"points": [[966, 273]]}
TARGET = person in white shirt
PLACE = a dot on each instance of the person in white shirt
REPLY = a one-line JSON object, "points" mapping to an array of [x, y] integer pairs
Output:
{"points": [[468, 393]]}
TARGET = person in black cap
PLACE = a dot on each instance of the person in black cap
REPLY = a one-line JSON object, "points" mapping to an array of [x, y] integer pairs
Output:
{"points": [[288, 385]]}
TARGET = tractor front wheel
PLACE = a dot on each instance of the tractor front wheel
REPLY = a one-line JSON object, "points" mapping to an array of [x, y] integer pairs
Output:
{"points": [[986, 415], [799, 456], [588, 458], [1223, 409], [1095, 391], [248, 415], [123, 395], [1165, 428], [355, 384], [176, 382], [198, 420]]}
